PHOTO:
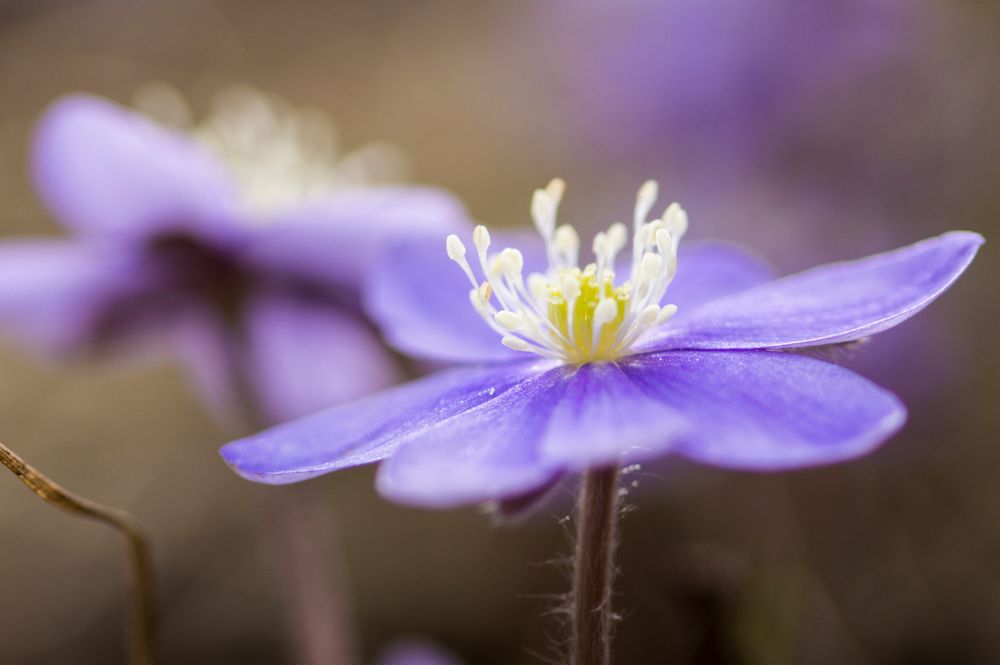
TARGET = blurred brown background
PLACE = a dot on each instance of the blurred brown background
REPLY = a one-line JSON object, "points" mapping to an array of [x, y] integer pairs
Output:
{"points": [[892, 559]]}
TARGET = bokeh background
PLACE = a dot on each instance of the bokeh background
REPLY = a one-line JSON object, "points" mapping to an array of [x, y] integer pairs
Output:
{"points": [[811, 131]]}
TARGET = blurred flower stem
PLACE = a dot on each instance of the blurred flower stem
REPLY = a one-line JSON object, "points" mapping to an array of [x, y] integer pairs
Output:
{"points": [[142, 622], [318, 616], [597, 514]]}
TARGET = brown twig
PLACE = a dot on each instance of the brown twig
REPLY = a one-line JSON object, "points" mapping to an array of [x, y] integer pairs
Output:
{"points": [[142, 586]]}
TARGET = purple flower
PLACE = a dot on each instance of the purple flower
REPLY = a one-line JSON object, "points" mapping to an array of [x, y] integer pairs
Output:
{"points": [[415, 651], [714, 81], [594, 369], [238, 244]]}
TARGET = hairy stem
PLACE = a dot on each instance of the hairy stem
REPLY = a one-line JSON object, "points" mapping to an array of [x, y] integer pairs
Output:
{"points": [[141, 571], [597, 513]]}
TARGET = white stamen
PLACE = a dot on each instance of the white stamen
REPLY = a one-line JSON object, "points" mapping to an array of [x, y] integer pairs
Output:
{"points": [[644, 201], [456, 249], [567, 244], [540, 312], [481, 238], [570, 288], [538, 286], [650, 268], [278, 155], [605, 312], [666, 313], [456, 252], [647, 316], [665, 243], [676, 220], [510, 321], [556, 188], [511, 263], [515, 343], [618, 235], [543, 213]]}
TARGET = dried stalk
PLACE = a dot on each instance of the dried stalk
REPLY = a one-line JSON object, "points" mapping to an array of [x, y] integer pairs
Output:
{"points": [[141, 571]]}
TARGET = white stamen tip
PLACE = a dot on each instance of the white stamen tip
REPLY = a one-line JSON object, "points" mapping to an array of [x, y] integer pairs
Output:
{"points": [[647, 194], [605, 312], [510, 321], [647, 316], [570, 288], [666, 313], [511, 262], [456, 249], [664, 242], [515, 343], [601, 245], [538, 287], [556, 188], [676, 220], [567, 239], [481, 238], [543, 213], [650, 267], [617, 234]]}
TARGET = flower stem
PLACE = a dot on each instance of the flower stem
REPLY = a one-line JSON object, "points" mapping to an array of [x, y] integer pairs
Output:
{"points": [[597, 513], [142, 584], [316, 600]]}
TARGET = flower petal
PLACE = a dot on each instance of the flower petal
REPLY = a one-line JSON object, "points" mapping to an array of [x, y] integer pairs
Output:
{"points": [[307, 356], [103, 169], [487, 453], [416, 652], [338, 239], [420, 300], [369, 429], [832, 304], [603, 417], [708, 270], [765, 410], [53, 292]]}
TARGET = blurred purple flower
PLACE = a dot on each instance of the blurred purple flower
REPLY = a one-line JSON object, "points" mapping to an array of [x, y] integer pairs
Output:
{"points": [[716, 82], [416, 652], [237, 245], [609, 380]]}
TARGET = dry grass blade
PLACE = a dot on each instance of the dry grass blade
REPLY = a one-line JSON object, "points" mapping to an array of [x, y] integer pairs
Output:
{"points": [[141, 573]]}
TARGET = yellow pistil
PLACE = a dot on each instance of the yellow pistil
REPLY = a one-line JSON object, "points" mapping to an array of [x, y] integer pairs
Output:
{"points": [[577, 341]]}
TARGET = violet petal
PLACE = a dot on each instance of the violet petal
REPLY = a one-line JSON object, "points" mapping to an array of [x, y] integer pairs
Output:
{"points": [[369, 429], [603, 415], [305, 356], [708, 270], [765, 410], [831, 304], [487, 453], [101, 168], [337, 240], [53, 292], [420, 300]]}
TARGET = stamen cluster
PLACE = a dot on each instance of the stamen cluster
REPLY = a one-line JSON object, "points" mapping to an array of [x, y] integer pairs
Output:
{"points": [[279, 154], [568, 313]]}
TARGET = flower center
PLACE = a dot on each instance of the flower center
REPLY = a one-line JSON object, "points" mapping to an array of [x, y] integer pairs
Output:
{"points": [[573, 314], [279, 155]]}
